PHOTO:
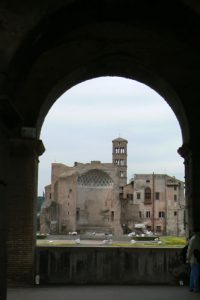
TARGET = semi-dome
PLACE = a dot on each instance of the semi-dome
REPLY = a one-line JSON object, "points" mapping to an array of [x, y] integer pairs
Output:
{"points": [[95, 178]]}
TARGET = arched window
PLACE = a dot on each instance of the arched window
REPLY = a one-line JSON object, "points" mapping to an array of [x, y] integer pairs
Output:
{"points": [[116, 150], [122, 150], [122, 162], [122, 174]]}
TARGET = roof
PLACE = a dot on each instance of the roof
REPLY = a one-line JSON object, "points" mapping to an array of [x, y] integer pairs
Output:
{"points": [[119, 139]]}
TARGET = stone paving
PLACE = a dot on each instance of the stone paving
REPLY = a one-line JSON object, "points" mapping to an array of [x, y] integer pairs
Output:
{"points": [[102, 293]]}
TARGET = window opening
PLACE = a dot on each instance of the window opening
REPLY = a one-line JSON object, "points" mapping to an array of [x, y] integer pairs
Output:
{"points": [[147, 196], [148, 214], [157, 196], [158, 228], [161, 214], [138, 196]]}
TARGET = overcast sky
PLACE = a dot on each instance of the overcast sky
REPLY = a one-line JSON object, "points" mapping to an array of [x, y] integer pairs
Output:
{"points": [[83, 122]]}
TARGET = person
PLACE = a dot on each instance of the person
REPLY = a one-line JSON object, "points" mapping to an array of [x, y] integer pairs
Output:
{"points": [[183, 254], [193, 247], [184, 268]]}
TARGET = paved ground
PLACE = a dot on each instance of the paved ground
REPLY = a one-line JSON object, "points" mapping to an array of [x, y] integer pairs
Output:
{"points": [[102, 293]]}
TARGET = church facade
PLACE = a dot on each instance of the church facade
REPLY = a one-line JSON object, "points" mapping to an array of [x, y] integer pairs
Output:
{"points": [[96, 197]]}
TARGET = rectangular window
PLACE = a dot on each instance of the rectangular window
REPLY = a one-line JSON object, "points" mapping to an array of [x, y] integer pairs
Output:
{"points": [[148, 214], [175, 188], [77, 214], [175, 213], [161, 214], [175, 198], [112, 216], [158, 228], [140, 214], [138, 196], [157, 196], [130, 196]]}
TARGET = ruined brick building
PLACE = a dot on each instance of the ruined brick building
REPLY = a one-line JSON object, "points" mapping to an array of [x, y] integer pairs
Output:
{"points": [[96, 197]]}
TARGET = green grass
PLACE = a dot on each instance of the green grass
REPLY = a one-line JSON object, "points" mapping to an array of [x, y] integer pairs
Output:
{"points": [[173, 241], [167, 241], [136, 245], [47, 243]]}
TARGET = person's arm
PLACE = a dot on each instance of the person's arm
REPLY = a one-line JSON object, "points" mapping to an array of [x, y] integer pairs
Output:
{"points": [[189, 250]]}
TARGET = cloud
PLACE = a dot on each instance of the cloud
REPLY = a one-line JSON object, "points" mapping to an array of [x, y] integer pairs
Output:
{"points": [[83, 122]]}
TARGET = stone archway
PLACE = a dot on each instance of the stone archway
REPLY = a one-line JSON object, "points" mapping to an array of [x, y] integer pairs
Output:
{"points": [[46, 50]]}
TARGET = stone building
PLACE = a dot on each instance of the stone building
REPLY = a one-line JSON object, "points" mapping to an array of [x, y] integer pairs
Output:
{"points": [[156, 200], [96, 197], [85, 197]]}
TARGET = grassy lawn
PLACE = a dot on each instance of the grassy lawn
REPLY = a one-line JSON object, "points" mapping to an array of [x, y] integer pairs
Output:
{"points": [[166, 241], [173, 241]]}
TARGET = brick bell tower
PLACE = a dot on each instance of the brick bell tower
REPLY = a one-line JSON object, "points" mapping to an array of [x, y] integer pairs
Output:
{"points": [[119, 156]]}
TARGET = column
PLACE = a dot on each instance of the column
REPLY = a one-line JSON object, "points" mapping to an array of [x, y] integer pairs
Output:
{"points": [[191, 157], [21, 209], [3, 186]]}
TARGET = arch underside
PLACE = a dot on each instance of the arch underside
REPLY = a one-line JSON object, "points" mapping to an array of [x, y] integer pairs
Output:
{"points": [[75, 43], [47, 47]]}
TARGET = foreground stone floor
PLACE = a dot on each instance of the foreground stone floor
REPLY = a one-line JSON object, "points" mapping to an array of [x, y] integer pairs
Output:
{"points": [[102, 293]]}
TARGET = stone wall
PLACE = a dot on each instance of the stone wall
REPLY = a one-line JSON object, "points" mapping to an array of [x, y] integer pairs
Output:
{"points": [[104, 265]]}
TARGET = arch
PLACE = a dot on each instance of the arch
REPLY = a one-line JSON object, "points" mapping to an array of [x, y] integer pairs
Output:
{"points": [[47, 50], [49, 61], [160, 85]]}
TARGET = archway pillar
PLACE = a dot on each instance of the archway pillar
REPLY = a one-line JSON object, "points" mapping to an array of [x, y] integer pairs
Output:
{"points": [[3, 216], [192, 186], [21, 209]]}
